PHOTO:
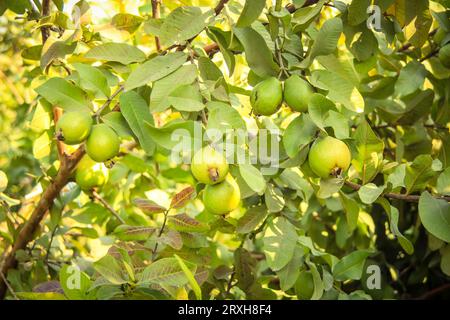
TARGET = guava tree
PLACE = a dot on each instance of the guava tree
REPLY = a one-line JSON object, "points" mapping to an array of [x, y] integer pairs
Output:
{"points": [[113, 185]]}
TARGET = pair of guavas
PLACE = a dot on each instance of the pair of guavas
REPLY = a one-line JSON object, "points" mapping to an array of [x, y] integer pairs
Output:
{"points": [[267, 96], [222, 193], [102, 144]]}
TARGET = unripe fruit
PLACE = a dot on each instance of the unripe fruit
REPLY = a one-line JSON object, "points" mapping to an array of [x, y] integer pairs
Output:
{"points": [[209, 166], [329, 157], [444, 55], [74, 127], [223, 197], [304, 286], [297, 93], [91, 174], [266, 97], [103, 143]]}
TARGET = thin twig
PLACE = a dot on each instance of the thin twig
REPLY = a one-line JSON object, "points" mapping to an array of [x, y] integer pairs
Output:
{"points": [[161, 230], [108, 102], [107, 206], [397, 196], [9, 286], [156, 14]]}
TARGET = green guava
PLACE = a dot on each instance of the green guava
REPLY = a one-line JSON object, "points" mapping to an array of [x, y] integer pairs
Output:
{"points": [[209, 166], [297, 93], [329, 157], [74, 127], [267, 97], [223, 197], [103, 143], [90, 174]]}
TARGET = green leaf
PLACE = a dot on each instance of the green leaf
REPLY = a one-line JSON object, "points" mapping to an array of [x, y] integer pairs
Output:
{"points": [[58, 49], [75, 283], [165, 86], [325, 42], [289, 273], [126, 22], [435, 216], [369, 155], [119, 52], [190, 276], [42, 146], [328, 187], [300, 132], [318, 283], [369, 193], [319, 108], [183, 223], [62, 93], [340, 89], [351, 266], [445, 260], [42, 116], [3, 181], [419, 173], [443, 183], [357, 12], [394, 215], [40, 296], [411, 78], [274, 199], [166, 272], [253, 177], [92, 79], [251, 12], [133, 233], [186, 98], [251, 219], [351, 209], [397, 177], [280, 241], [258, 55], [223, 117], [184, 23], [110, 269], [136, 112], [155, 69]]}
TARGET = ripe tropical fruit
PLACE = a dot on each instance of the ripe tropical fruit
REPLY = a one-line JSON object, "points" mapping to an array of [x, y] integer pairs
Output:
{"points": [[103, 143], [91, 174], [209, 166], [223, 197], [266, 97], [297, 93], [329, 157], [304, 286], [444, 55], [74, 127]]}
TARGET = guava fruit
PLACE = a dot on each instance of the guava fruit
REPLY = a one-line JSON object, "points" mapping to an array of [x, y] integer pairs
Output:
{"points": [[103, 143], [329, 157], [90, 174], [297, 93], [209, 166], [74, 127], [267, 97], [223, 197]]}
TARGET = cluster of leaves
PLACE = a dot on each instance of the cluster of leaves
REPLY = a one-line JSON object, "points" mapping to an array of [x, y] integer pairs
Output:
{"points": [[383, 90]]}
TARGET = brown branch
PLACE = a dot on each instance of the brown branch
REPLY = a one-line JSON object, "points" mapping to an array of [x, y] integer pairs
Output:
{"points": [[45, 203], [397, 196], [156, 14], [45, 31], [220, 6], [434, 292], [57, 112]]}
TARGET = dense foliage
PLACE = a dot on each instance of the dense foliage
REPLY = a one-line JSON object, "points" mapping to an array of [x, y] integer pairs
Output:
{"points": [[98, 196]]}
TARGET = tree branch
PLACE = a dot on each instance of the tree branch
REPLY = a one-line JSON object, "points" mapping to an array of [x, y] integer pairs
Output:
{"points": [[45, 31], [107, 206], [220, 6], [156, 14], [397, 196], [45, 203]]}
